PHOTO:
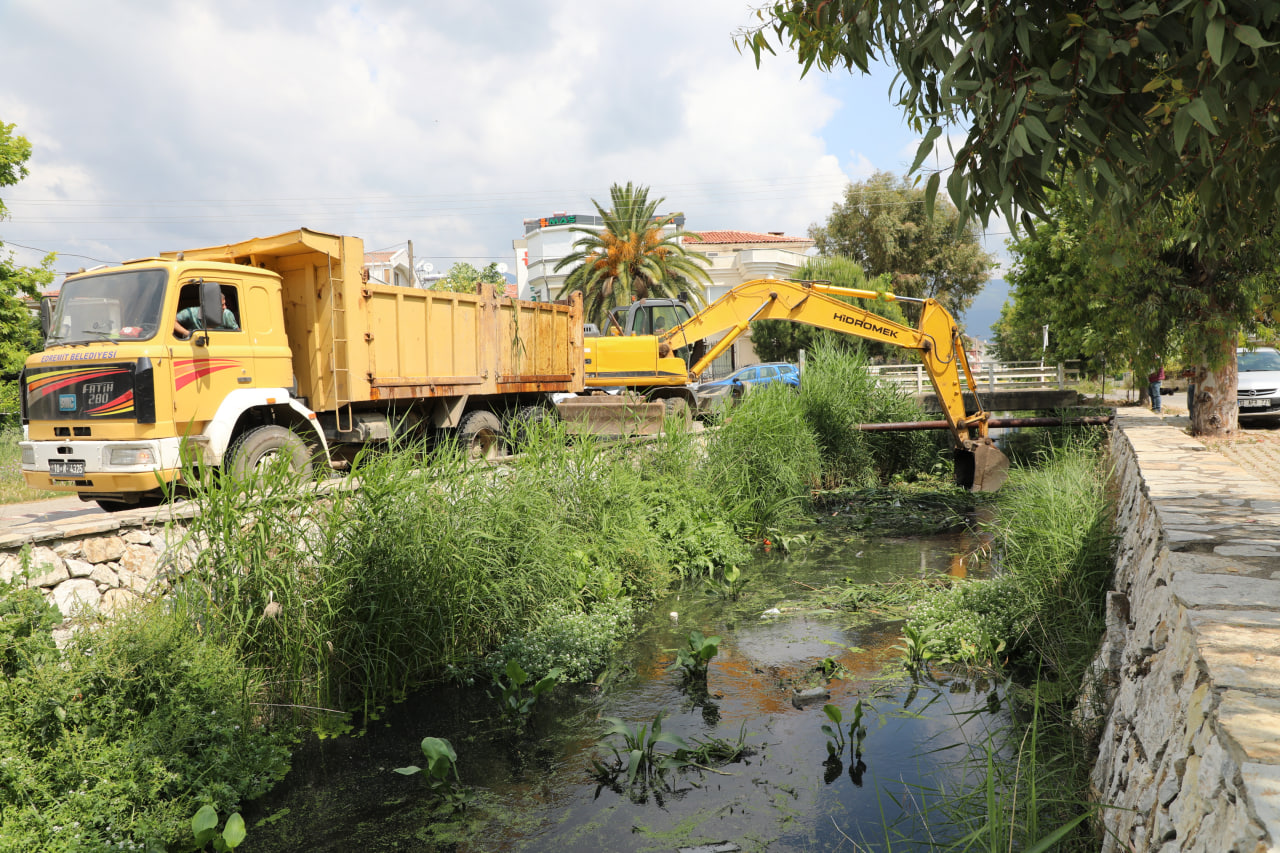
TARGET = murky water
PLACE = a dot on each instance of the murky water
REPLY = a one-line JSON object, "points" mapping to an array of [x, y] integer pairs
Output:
{"points": [[536, 792]]}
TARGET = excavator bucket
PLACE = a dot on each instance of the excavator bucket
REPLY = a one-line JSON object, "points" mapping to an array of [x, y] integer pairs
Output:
{"points": [[982, 469], [611, 415]]}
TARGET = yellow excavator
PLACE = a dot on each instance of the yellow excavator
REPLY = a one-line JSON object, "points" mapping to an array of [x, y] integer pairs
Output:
{"points": [[659, 347]]}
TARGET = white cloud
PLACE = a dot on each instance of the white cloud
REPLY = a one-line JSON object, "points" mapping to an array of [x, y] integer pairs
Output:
{"points": [[179, 124]]}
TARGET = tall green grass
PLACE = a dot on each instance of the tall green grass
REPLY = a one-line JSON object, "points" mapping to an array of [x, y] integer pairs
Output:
{"points": [[837, 394], [354, 597], [1036, 626]]}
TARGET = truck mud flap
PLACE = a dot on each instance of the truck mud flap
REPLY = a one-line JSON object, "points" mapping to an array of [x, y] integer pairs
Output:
{"points": [[611, 415]]}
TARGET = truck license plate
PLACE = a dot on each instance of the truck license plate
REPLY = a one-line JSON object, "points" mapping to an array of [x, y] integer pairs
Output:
{"points": [[66, 467]]}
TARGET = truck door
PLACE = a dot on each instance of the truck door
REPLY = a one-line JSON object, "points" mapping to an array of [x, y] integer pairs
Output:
{"points": [[209, 359]]}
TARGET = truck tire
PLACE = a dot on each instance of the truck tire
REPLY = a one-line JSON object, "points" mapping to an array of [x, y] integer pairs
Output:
{"points": [[256, 449], [480, 434], [523, 422]]}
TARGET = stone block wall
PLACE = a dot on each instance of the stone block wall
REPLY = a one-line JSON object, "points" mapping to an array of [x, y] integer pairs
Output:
{"points": [[103, 563], [1189, 711]]}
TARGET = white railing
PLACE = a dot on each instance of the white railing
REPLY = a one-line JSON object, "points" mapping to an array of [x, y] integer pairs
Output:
{"points": [[989, 375]]}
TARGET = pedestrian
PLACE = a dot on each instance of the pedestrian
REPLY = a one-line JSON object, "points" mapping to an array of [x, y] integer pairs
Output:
{"points": [[1153, 385]]}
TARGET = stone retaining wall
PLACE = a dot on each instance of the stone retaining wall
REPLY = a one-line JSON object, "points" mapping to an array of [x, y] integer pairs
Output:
{"points": [[102, 562], [1189, 754]]}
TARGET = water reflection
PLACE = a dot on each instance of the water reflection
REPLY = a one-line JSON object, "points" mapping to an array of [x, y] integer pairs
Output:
{"points": [[535, 792]]}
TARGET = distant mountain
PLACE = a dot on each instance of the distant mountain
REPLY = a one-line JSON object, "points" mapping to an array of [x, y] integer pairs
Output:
{"points": [[985, 311]]}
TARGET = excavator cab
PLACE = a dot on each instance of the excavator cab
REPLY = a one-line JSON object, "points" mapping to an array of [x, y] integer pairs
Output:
{"points": [[648, 317], [652, 317]]}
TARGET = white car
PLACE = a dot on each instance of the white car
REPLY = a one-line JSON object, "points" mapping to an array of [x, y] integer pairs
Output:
{"points": [[1258, 385]]}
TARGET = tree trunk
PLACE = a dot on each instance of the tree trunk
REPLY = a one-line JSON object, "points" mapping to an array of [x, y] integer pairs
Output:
{"points": [[1214, 404]]}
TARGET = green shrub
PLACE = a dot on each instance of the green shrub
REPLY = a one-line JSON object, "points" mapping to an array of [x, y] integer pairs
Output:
{"points": [[115, 742], [578, 643]]}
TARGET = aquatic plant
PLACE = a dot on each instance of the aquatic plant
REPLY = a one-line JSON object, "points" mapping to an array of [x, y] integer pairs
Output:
{"points": [[834, 730], [918, 644], [441, 772], [204, 827], [729, 585], [639, 758], [692, 660], [517, 696]]}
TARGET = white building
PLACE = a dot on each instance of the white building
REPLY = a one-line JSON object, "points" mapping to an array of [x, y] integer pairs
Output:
{"points": [[390, 268], [737, 256]]}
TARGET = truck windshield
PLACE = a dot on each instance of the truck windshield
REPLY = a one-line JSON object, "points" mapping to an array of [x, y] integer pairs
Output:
{"points": [[109, 307]]}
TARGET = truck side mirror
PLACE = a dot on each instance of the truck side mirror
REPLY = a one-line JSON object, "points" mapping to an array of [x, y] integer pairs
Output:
{"points": [[46, 315], [211, 304]]}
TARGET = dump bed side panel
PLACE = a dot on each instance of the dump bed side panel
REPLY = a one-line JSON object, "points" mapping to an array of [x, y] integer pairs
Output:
{"points": [[353, 341], [425, 343]]}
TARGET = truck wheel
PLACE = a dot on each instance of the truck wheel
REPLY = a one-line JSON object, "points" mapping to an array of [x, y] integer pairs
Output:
{"points": [[523, 423], [257, 450], [480, 434]]}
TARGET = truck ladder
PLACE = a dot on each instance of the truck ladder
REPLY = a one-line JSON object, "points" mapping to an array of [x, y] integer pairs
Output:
{"points": [[338, 355]]}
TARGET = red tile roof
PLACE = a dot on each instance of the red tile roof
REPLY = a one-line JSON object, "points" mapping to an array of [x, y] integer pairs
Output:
{"points": [[745, 237], [378, 257]]}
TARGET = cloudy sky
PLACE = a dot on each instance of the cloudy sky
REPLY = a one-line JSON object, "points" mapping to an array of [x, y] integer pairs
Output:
{"points": [[169, 124]]}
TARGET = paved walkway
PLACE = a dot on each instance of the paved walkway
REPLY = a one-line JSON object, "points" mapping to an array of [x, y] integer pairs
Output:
{"points": [[1255, 448]]}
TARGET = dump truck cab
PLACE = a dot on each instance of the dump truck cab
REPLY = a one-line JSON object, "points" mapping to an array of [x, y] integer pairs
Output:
{"points": [[142, 357]]}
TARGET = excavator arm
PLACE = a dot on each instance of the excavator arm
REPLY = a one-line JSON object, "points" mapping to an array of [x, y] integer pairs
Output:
{"points": [[979, 464]]}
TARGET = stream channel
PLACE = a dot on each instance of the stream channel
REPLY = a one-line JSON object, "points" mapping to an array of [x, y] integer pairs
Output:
{"points": [[536, 791]]}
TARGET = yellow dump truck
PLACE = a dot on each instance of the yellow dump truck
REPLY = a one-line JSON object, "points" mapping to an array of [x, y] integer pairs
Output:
{"points": [[278, 345]]}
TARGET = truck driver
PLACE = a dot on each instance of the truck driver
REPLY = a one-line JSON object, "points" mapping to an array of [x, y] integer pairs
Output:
{"points": [[189, 319]]}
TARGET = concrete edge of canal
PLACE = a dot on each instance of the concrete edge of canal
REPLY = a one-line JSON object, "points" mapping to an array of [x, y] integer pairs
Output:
{"points": [[1189, 705]]}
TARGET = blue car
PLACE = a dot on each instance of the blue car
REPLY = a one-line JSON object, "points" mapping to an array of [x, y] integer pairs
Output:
{"points": [[718, 392]]}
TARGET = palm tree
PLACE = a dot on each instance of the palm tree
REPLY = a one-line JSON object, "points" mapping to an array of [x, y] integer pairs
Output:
{"points": [[632, 258]]}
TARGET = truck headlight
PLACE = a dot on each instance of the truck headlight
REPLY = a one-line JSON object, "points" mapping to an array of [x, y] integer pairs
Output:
{"points": [[131, 456], [28, 455]]}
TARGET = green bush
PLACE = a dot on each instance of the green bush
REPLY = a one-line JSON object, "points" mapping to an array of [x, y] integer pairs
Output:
{"points": [[114, 743], [578, 643]]}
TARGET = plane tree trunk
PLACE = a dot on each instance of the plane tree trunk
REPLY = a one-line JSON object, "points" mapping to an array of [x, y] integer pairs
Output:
{"points": [[1214, 410]]}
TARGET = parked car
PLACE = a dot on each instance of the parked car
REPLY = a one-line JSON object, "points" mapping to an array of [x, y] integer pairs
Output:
{"points": [[715, 393], [1258, 385]]}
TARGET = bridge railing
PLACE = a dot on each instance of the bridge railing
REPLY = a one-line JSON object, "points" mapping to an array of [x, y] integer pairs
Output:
{"points": [[989, 375]]}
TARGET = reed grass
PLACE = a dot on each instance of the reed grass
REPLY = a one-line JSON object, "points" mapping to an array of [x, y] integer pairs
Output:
{"points": [[837, 394], [1037, 624]]}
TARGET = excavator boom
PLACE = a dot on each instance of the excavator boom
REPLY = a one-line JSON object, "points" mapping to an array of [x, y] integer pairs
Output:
{"points": [[979, 464]]}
